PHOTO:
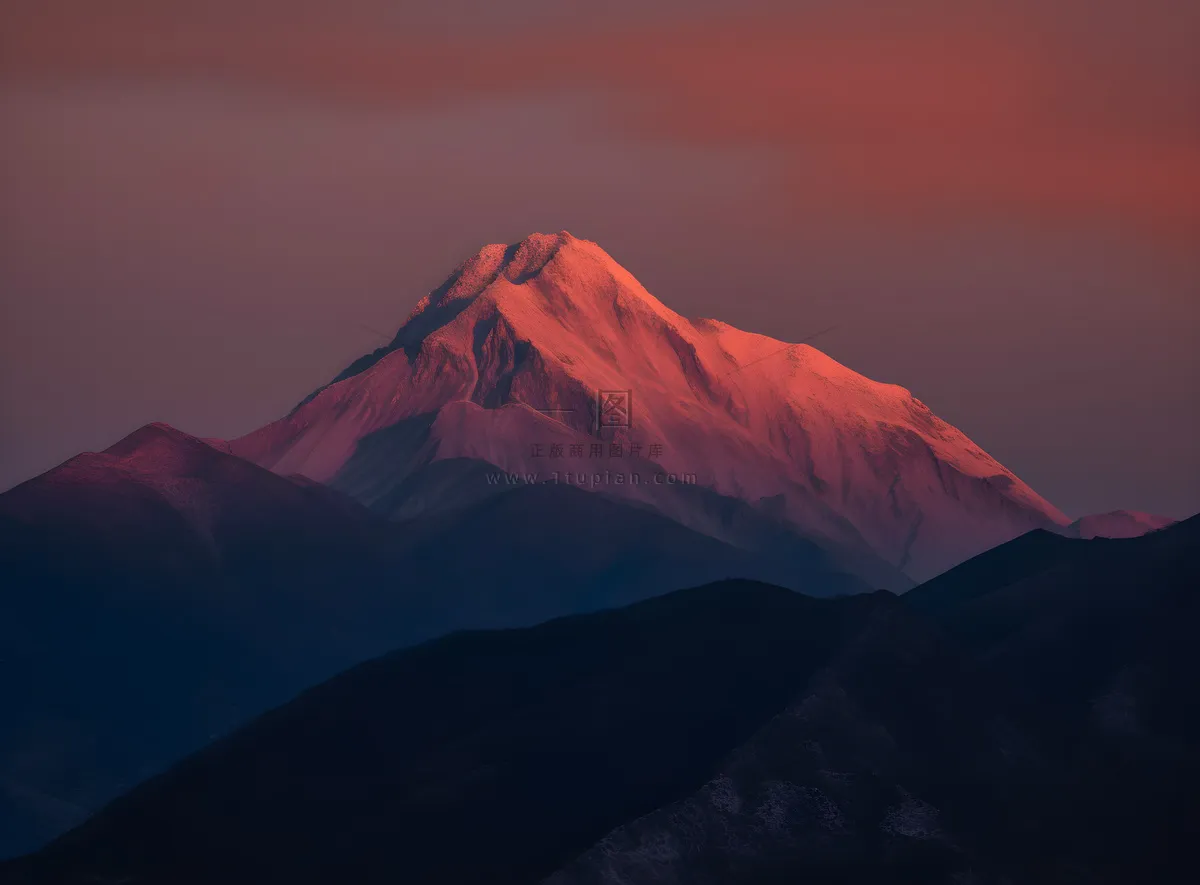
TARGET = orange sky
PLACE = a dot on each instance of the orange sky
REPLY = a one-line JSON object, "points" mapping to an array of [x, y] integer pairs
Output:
{"points": [[959, 107]]}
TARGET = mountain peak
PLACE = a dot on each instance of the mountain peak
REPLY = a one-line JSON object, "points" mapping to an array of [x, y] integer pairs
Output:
{"points": [[159, 437], [514, 262], [542, 277], [532, 334], [533, 253], [149, 434]]}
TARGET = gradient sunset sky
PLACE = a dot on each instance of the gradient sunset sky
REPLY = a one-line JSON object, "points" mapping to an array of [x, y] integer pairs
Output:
{"points": [[209, 209]]}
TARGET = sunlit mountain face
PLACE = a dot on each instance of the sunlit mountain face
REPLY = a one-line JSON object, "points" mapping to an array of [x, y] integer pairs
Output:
{"points": [[521, 356]]}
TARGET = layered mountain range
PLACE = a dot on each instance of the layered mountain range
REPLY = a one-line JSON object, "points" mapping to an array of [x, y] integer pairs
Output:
{"points": [[1030, 716], [159, 593], [542, 438]]}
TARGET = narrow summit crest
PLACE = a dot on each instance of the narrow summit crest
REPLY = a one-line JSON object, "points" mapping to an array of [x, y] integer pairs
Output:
{"points": [[526, 259]]}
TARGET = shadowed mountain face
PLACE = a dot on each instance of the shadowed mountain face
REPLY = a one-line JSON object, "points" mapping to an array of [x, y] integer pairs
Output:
{"points": [[155, 595], [160, 593], [1031, 716], [1054, 736], [892, 764], [519, 356], [1072, 621], [479, 757]]}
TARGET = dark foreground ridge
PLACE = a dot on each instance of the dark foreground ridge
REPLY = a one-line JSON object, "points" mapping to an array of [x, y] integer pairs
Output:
{"points": [[1034, 721], [481, 757]]}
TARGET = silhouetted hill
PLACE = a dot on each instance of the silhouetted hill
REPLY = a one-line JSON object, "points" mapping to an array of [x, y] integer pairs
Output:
{"points": [[156, 595], [894, 763], [1067, 750], [160, 593], [1057, 614], [1031, 716], [1037, 724], [489, 756], [991, 570]]}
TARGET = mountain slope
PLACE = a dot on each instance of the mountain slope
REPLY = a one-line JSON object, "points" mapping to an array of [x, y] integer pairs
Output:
{"points": [[1065, 750], [894, 764], [159, 593], [1063, 630], [164, 591], [1017, 560], [1117, 524], [508, 357], [479, 757], [1100, 644], [1043, 728]]}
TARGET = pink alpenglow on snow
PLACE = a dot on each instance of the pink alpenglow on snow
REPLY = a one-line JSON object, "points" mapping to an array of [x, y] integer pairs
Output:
{"points": [[510, 352], [1117, 524]]}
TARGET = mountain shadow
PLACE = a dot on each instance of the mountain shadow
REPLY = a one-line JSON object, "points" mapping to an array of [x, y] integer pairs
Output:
{"points": [[1032, 718], [164, 592]]}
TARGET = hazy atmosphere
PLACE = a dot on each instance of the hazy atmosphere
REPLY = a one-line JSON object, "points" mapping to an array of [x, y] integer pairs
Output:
{"points": [[538, 442], [208, 210]]}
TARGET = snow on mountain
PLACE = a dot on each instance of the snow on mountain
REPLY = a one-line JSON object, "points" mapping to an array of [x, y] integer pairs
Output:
{"points": [[526, 348], [1117, 524]]}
